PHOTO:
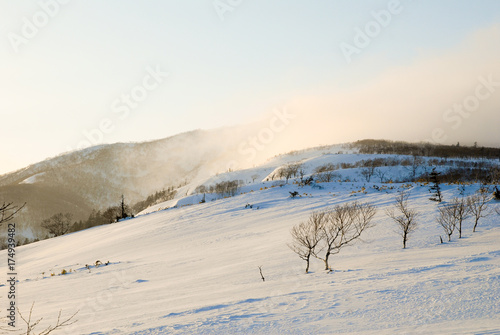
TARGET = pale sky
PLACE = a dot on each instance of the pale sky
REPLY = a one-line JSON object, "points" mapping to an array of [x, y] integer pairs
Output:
{"points": [[73, 70]]}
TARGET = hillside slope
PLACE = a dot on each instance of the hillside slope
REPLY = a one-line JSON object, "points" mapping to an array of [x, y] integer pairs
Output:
{"points": [[194, 270], [97, 177]]}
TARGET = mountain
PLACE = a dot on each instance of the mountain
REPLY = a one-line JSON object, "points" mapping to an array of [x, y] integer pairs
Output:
{"points": [[96, 177]]}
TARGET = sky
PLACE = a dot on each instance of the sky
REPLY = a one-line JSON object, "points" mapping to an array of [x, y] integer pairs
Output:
{"points": [[76, 73]]}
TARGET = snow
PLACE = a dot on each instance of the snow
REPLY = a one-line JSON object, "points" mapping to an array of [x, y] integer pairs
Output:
{"points": [[33, 179], [194, 269]]}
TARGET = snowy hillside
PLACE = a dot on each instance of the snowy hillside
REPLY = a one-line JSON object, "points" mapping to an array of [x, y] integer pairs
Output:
{"points": [[96, 177], [193, 268]]}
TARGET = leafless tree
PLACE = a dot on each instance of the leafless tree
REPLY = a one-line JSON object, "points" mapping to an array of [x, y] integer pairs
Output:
{"points": [[416, 163], [452, 215], [461, 212], [405, 217], [447, 219], [478, 206], [306, 237], [8, 210], [58, 224], [59, 324], [254, 176], [380, 172], [367, 172], [495, 174], [290, 170], [342, 225], [325, 168], [326, 177]]}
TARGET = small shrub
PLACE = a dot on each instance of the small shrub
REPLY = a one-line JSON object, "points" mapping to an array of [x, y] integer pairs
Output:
{"points": [[496, 194]]}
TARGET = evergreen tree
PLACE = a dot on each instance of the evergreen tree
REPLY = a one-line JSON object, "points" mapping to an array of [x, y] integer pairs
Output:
{"points": [[123, 214], [435, 189]]}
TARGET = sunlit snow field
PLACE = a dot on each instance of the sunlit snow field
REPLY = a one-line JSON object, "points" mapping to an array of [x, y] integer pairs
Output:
{"points": [[194, 270]]}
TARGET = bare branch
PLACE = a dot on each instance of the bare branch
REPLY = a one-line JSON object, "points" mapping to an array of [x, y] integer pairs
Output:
{"points": [[306, 237], [31, 326], [452, 215], [343, 225], [478, 206], [405, 217], [261, 275], [8, 210]]}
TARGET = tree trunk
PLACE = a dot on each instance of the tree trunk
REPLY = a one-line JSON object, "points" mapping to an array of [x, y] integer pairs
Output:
{"points": [[326, 261], [475, 225], [307, 264]]}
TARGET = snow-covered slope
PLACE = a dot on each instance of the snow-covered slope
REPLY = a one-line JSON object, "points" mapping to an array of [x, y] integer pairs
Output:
{"points": [[194, 270]]}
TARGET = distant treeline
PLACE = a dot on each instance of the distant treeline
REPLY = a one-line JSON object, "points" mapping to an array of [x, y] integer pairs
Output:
{"points": [[113, 213], [424, 149], [223, 189], [155, 198]]}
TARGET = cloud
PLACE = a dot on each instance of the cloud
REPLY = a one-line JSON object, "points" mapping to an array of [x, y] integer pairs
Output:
{"points": [[409, 102]]}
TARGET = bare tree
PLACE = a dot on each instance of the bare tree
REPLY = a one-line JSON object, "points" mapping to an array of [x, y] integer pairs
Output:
{"points": [[478, 206], [254, 176], [306, 237], [59, 324], [367, 172], [405, 217], [447, 220], [452, 215], [326, 177], [8, 210], [416, 163], [343, 225], [461, 212], [290, 170], [58, 224], [380, 172]]}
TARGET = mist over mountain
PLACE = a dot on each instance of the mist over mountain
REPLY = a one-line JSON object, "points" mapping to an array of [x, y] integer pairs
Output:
{"points": [[96, 177]]}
